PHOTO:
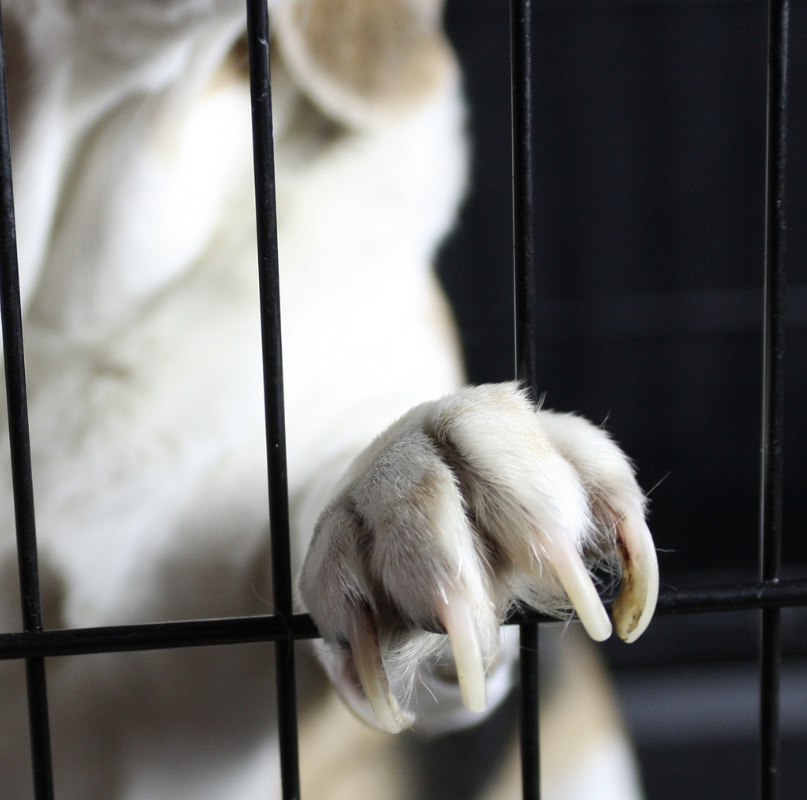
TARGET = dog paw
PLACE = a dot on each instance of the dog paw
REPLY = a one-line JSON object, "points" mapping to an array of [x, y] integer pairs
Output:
{"points": [[462, 509]]}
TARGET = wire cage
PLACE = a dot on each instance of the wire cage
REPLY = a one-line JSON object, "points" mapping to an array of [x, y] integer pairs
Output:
{"points": [[769, 594]]}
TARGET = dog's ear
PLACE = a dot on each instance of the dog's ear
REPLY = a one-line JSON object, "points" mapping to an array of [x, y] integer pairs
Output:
{"points": [[365, 62]]}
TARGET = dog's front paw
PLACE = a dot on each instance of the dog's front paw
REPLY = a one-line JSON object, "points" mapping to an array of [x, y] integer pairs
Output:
{"points": [[462, 508]]}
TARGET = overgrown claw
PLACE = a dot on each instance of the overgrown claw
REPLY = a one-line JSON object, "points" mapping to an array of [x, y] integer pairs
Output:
{"points": [[573, 575], [636, 603], [370, 667], [458, 619]]}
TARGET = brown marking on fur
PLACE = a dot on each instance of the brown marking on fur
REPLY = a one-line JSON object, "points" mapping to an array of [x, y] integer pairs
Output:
{"points": [[374, 46], [364, 60], [493, 557], [238, 57], [309, 133], [233, 69]]}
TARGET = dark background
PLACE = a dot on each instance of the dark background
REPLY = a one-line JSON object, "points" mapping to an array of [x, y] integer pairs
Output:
{"points": [[651, 174]]}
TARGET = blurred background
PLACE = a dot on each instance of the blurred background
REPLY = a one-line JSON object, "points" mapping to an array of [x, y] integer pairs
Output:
{"points": [[651, 173]]}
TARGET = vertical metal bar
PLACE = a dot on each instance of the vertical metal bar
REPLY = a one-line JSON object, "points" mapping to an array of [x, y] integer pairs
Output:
{"points": [[20, 447], [260, 86], [523, 194], [529, 732], [39, 728], [526, 357], [773, 390]]}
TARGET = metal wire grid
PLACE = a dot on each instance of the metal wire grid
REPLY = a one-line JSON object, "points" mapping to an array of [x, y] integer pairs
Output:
{"points": [[283, 627]]}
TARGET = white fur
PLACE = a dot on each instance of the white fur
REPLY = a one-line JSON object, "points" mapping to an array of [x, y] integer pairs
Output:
{"points": [[132, 170]]}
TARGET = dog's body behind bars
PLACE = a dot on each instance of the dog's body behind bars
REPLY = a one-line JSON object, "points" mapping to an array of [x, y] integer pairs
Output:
{"points": [[132, 166]]}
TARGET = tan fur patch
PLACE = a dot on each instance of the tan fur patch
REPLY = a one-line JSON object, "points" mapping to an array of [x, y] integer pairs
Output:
{"points": [[364, 61]]}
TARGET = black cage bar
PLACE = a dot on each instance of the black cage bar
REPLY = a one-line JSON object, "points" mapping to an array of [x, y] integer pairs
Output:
{"points": [[770, 594], [266, 213]]}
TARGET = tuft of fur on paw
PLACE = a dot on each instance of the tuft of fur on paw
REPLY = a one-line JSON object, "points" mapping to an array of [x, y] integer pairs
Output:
{"points": [[461, 509]]}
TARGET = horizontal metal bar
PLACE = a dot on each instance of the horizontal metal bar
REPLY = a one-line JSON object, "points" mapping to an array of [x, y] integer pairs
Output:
{"points": [[733, 597], [270, 628], [572, 6], [701, 600], [156, 636]]}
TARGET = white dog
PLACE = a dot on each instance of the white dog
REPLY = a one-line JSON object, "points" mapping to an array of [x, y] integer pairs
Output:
{"points": [[133, 179]]}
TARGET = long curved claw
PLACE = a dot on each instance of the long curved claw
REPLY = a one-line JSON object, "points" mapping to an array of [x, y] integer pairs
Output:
{"points": [[458, 620], [574, 577], [638, 594], [370, 668]]}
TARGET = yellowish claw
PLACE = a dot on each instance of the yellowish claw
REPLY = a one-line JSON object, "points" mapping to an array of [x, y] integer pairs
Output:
{"points": [[458, 619], [370, 668], [573, 575], [636, 603]]}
